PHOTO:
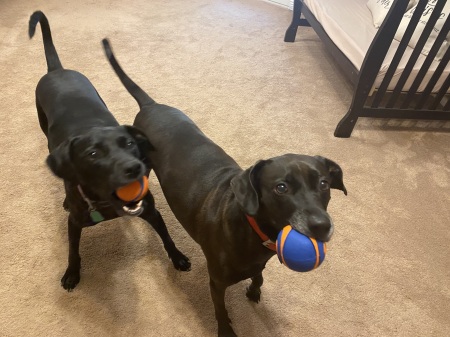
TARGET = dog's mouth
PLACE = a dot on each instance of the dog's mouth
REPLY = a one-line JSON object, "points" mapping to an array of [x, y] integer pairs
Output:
{"points": [[126, 205], [134, 208]]}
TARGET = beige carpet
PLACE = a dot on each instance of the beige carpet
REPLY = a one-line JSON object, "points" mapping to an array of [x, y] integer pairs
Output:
{"points": [[225, 64]]}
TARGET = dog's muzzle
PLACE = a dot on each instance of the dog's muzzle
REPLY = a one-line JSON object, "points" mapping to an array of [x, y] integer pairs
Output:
{"points": [[134, 210]]}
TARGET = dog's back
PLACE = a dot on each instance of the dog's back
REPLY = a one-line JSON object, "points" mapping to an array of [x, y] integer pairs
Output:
{"points": [[71, 105], [182, 146], [65, 97], [192, 156]]}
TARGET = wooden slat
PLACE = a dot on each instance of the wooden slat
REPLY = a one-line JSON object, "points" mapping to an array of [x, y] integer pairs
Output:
{"points": [[418, 48], [412, 92], [381, 91], [405, 114], [442, 91]]}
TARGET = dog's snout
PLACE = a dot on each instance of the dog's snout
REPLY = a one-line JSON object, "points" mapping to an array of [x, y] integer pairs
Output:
{"points": [[320, 227], [133, 170]]}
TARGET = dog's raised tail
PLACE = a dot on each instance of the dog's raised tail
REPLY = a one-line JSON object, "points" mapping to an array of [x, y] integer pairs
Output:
{"points": [[139, 95], [53, 62]]}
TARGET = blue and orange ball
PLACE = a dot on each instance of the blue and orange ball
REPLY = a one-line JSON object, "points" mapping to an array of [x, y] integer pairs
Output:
{"points": [[299, 252], [134, 191]]}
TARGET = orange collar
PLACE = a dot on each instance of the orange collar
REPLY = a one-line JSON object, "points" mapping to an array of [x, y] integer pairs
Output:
{"points": [[266, 241]]}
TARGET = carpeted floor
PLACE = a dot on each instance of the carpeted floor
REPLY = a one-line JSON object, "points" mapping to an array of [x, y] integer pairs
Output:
{"points": [[225, 64]]}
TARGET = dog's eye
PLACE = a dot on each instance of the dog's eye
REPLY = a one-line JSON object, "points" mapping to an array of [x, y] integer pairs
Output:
{"points": [[324, 185], [130, 143], [281, 188], [92, 153]]}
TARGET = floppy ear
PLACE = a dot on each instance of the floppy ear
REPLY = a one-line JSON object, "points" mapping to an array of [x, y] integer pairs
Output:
{"points": [[141, 139], [59, 160], [335, 170], [243, 187]]}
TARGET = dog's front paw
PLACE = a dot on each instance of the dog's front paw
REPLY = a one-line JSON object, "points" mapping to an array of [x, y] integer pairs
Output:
{"points": [[253, 294], [225, 330], [66, 205], [180, 261], [70, 279]]}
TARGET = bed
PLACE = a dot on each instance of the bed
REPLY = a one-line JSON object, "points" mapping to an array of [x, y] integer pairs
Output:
{"points": [[398, 70]]}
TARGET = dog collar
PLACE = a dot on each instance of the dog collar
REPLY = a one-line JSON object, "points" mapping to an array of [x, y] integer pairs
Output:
{"points": [[266, 241], [95, 215]]}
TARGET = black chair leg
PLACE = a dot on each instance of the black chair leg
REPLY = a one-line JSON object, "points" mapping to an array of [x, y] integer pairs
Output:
{"points": [[291, 32], [346, 124]]}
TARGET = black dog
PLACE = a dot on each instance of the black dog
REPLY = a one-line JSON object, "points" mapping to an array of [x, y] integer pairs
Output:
{"points": [[215, 200], [92, 153]]}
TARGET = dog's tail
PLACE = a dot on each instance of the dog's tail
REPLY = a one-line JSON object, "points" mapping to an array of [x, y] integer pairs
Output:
{"points": [[139, 95], [53, 62]]}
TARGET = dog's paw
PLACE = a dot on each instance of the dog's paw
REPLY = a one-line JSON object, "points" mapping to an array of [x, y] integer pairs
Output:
{"points": [[70, 280], [253, 294], [181, 262], [66, 205], [225, 330]]}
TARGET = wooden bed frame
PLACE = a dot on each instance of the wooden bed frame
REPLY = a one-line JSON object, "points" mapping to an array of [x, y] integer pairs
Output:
{"points": [[381, 103]]}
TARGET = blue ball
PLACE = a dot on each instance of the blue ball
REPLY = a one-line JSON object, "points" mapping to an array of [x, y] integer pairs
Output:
{"points": [[299, 252]]}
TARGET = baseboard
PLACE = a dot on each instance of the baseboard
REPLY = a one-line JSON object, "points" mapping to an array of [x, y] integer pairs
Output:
{"points": [[289, 4]]}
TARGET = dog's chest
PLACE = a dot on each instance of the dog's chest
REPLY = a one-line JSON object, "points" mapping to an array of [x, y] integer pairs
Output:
{"points": [[245, 273], [243, 268], [90, 217]]}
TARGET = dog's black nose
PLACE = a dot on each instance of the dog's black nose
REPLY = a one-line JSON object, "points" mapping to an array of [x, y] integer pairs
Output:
{"points": [[320, 227], [133, 171]]}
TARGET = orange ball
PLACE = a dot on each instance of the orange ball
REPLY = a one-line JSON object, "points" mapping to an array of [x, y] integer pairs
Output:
{"points": [[134, 191]]}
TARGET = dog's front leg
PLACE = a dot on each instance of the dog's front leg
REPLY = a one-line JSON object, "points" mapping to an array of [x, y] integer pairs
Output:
{"points": [[72, 274], [254, 290], [218, 297], [154, 218]]}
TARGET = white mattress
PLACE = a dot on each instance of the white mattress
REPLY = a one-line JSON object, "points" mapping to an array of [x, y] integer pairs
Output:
{"points": [[349, 24]]}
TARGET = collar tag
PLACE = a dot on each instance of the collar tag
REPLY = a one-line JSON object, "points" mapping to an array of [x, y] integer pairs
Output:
{"points": [[270, 244], [96, 216]]}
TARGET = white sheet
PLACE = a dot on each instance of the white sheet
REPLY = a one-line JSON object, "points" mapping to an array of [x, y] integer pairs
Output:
{"points": [[349, 24]]}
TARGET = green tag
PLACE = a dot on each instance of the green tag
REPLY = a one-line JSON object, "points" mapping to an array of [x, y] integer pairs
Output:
{"points": [[96, 216]]}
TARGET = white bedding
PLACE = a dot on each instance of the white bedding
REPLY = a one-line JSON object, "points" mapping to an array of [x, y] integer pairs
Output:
{"points": [[349, 24]]}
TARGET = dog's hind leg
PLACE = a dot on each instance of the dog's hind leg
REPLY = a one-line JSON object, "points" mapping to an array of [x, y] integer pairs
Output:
{"points": [[254, 290], [42, 118], [72, 274], [154, 218]]}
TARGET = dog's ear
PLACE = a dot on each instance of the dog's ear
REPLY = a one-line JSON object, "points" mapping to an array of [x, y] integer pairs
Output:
{"points": [[244, 188], [59, 160], [141, 139], [335, 170]]}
